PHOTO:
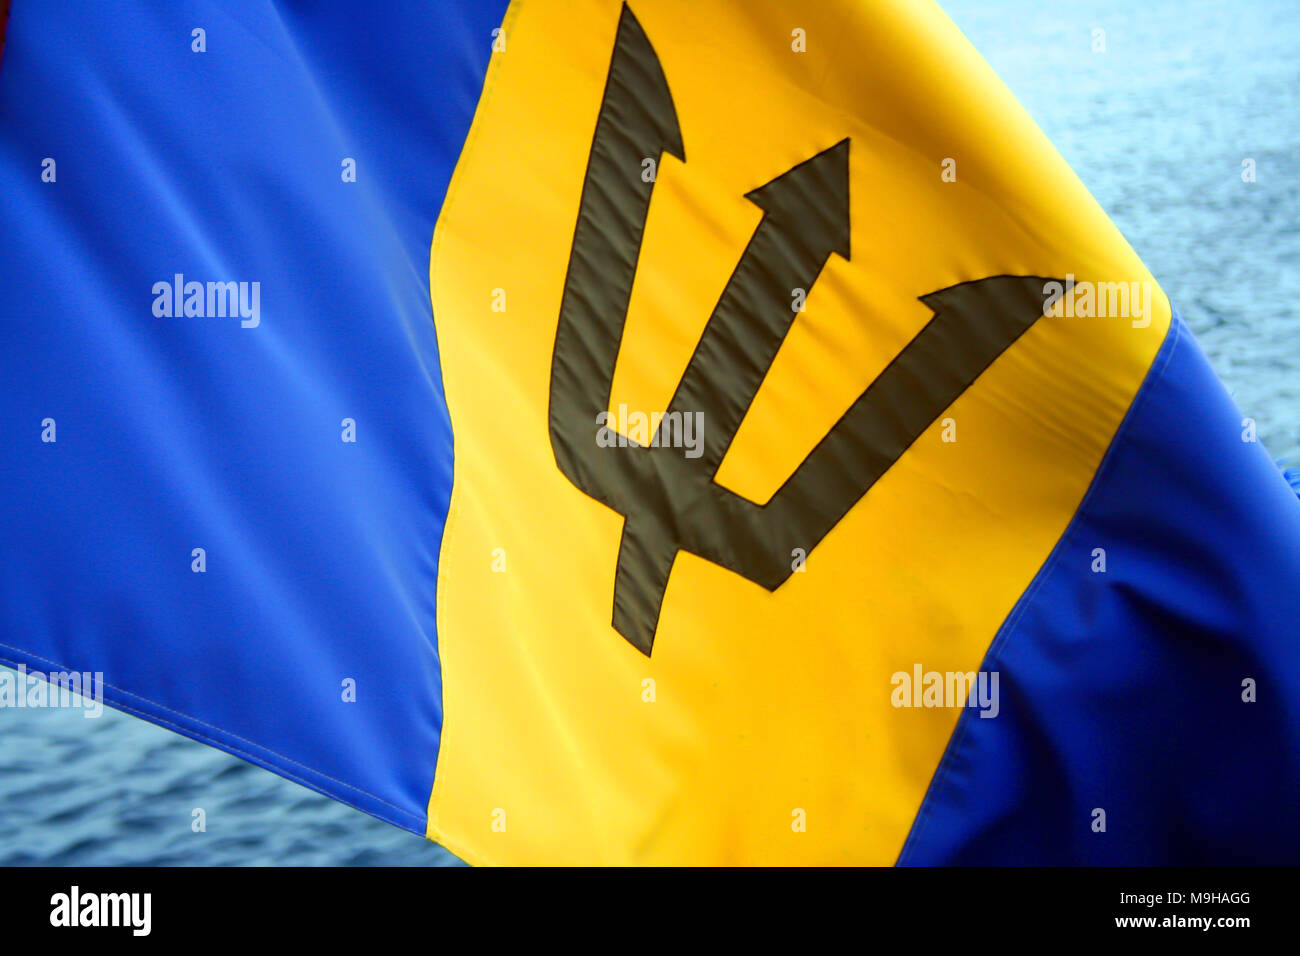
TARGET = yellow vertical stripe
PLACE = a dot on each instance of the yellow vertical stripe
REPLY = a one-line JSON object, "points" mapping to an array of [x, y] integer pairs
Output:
{"points": [[561, 742]]}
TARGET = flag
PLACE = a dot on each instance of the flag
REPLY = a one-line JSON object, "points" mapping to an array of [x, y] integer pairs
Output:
{"points": [[648, 432]]}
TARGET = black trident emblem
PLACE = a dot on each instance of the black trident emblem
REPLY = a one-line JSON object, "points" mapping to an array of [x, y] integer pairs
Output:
{"points": [[671, 503]]}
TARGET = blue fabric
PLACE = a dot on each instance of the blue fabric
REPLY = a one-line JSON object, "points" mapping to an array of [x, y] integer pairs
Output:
{"points": [[1292, 476], [176, 433], [1123, 690]]}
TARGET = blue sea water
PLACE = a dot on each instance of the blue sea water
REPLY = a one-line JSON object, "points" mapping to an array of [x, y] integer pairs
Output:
{"points": [[1157, 126]]}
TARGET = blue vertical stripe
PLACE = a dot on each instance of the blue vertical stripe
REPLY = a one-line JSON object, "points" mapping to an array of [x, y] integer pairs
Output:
{"points": [[182, 432], [1122, 691]]}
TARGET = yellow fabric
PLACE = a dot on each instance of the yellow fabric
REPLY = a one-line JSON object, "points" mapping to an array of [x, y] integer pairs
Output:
{"points": [[765, 705]]}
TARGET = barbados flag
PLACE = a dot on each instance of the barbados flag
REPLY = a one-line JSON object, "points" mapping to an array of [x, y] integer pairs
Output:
{"points": [[650, 432]]}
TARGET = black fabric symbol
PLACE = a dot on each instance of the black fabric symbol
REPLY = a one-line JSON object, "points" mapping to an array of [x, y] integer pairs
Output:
{"points": [[671, 502]]}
